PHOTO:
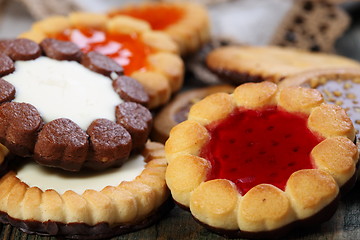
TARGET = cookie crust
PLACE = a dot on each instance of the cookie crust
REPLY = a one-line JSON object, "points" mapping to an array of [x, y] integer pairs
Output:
{"points": [[117, 209], [177, 110], [61, 142], [339, 86], [164, 75], [218, 203], [190, 32], [240, 64]]}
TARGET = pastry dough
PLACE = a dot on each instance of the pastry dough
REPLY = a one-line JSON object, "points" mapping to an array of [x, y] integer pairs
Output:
{"points": [[242, 206], [164, 69], [113, 209], [187, 23]]}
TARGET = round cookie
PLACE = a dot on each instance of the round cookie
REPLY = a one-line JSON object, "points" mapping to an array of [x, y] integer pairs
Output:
{"points": [[240, 64], [340, 86], [187, 23], [252, 163], [148, 56], [70, 114], [177, 110], [90, 205]]}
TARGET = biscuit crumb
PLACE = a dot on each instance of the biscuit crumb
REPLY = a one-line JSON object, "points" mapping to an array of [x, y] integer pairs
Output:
{"points": [[337, 93], [351, 96], [331, 99], [339, 103], [328, 93], [347, 85]]}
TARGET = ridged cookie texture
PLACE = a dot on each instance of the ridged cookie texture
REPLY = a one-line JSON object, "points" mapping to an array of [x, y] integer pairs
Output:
{"points": [[164, 68], [118, 208], [65, 140], [178, 109], [264, 209], [239, 64], [189, 28]]}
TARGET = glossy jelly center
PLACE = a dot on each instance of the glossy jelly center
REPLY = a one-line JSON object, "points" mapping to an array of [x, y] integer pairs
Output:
{"points": [[265, 146], [159, 17], [127, 50]]}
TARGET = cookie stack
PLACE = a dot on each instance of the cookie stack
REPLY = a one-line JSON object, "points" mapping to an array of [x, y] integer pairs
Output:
{"points": [[87, 101]]}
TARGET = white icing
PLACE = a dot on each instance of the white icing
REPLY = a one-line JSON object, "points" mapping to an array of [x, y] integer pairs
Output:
{"points": [[248, 21], [45, 178], [64, 89]]}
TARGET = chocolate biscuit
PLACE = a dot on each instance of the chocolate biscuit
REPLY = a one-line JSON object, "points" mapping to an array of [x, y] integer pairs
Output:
{"points": [[20, 49], [136, 119], [61, 50], [101, 64], [110, 144], [19, 127], [6, 65], [62, 143], [130, 90], [7, 91]]}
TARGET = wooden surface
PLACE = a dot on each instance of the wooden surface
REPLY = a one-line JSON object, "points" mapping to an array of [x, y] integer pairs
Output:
{"points": [[178, 224]]}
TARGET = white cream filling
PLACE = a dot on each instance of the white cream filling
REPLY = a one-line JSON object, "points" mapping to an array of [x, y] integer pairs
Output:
{"points": [[64, 89], [46, 178]]}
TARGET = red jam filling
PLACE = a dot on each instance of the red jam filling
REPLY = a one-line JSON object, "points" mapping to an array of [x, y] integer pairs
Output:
{"points": [[159, 17], [127, 50], [266, 146]]}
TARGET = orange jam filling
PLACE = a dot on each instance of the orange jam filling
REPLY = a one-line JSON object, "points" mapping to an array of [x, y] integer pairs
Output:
{"points": [[252, 147], [127, 50], [159, 17]]}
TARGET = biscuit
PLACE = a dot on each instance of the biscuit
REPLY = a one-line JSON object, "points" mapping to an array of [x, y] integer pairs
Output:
{"points": [[53, 133], [90, 205], [339, 86], [252, 163], [177, 110], [239, 64], [148, 56], [187, 23]]}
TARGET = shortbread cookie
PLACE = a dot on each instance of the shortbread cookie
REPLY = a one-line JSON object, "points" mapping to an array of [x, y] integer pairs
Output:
{"points": [[69, 114], [339, 86], [177, 110], [252, 163], [148, 56], [239, 64], [90, 205], [187, 23]]}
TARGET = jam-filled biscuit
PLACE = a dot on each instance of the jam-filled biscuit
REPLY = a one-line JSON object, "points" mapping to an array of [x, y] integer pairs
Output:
{"points": [[70, 114], [252, 163], [88, 205], [187, 23], [177, 110], [240, 64], [151, 57], [340, 86]]}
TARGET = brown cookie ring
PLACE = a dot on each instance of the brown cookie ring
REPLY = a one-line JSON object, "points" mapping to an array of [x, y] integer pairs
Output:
{"points": [[62, 143], [125, 207]]}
